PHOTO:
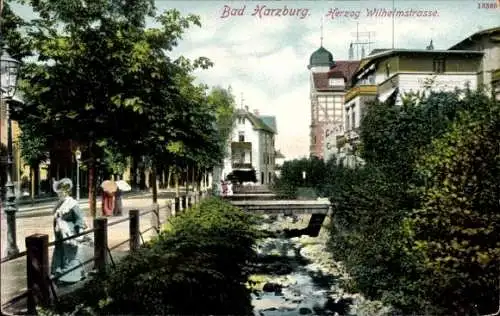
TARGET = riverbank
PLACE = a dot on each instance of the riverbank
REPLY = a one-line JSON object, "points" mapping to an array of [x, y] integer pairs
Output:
{"points": [[299, 276]]}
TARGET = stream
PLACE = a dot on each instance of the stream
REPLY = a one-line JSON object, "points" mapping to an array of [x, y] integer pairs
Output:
{"points": [[298, 276]]}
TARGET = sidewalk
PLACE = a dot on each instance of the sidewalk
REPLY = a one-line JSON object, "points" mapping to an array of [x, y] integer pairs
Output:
{"points": [[46, 208], [13, 273]]}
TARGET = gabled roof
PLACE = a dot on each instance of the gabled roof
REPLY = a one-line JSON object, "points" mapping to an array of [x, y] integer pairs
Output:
{"points": [[270, 121], [343, 69], [257, 123], [493, 32]]}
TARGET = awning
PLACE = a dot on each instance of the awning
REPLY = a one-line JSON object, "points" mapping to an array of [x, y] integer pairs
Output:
{"points": [[384, 96]]}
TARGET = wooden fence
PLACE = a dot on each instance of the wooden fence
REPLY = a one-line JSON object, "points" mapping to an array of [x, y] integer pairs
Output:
{"points": [[40, 284]]}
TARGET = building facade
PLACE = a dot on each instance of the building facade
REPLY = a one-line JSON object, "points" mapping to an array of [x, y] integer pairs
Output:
{"points": [[329, 81], [252, 146], [401, 71], [488, 42]]}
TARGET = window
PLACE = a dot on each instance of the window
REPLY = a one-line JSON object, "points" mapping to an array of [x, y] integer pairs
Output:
{"points": [[347, 121], [314, 140], [242, 158], [387, 70], [241, 136], [336, 82], [439, 65], [353, 119]]}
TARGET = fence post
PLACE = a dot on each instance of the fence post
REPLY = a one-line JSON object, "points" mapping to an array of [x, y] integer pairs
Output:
{"points": [[170, 209], [176, 205], [133, 216], [37, 268], [156, 217], [184, 202], [100, 244]]}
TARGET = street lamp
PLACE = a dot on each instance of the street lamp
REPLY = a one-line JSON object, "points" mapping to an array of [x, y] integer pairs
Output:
{"points": [[304, 177], [78, 156], [9, 68]]}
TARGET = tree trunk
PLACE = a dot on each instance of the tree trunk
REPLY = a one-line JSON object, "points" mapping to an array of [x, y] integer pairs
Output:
{"points": [[32, 181], [37, 180], [153, 178], [177, 189], [92, 188], [169, 178], [187, 180]]}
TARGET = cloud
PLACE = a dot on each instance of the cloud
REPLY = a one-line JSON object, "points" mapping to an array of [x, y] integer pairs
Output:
{"points": [[266, 59]]}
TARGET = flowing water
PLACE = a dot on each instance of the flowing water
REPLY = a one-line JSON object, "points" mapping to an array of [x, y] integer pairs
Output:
{"points": [[297, 276]]}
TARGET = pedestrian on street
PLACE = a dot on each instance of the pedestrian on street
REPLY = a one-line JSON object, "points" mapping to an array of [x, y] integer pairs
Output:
{"points": [[68, 221], [109, 189]]}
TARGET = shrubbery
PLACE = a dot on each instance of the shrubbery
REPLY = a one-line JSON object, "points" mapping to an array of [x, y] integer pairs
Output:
{"points": [[196, 266], [415, 226]]}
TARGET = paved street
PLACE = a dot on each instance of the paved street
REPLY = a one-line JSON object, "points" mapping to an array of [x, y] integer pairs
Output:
{"points": [[13, 273]]}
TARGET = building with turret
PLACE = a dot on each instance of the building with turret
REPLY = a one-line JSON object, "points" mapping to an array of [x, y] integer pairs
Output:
{"points": [[329, 80]]}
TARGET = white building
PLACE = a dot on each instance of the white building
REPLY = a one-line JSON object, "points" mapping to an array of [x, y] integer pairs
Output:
{"points": [[488, 42], [400, 71], [252, 147], [279, 161]]}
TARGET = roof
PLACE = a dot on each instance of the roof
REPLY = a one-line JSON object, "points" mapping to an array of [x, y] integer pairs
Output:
{"points": [[257, 123], [392, 52], [470, 38], [378, 50], [279, 155], [270, 121], [343, 69], [321, 57]]}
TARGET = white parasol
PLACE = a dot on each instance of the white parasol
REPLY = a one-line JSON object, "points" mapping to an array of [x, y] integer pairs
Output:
{"points": [[123, 186]]}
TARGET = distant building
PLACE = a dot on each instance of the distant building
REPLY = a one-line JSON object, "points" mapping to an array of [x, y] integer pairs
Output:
{"points": [[395, 72], [495, 81], [252, 146], [488, 42], [328, 84]]}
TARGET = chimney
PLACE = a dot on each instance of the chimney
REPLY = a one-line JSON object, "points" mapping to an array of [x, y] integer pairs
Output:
{"points": [[256, 112]]}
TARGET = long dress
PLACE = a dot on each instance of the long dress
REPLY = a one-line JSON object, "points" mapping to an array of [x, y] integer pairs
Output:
{"points": [[68, 220], [108, 203], [118, 210]]}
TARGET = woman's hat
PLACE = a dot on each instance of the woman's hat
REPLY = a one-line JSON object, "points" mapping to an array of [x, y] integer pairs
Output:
{"points": [[63, 185]]}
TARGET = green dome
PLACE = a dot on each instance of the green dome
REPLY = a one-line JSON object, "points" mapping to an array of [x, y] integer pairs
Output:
{"points": [[321, 57]]}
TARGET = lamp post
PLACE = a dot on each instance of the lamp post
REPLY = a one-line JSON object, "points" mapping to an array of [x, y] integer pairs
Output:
{"points": [[9, 68], [78, 156], [304, 177]]}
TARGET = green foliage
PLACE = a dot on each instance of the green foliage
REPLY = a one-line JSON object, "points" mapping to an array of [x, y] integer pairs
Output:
{"points": [[414, 226], [291, 176], [195, 267], [460, 211], [33, 144]]}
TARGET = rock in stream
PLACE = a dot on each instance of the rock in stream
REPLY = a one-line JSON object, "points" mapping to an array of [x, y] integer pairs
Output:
{"points": [[298, 276]]}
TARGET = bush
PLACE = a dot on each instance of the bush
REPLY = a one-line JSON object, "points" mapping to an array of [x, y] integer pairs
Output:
{"points": [[196, 266]]}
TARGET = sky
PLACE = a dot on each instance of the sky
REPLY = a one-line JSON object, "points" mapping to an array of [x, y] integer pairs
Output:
{"points": [[264, 58]]}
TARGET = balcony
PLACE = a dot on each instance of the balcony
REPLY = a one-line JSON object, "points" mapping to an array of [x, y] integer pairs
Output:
{"points": [[235, 146], [241, 165], [360, 90]]}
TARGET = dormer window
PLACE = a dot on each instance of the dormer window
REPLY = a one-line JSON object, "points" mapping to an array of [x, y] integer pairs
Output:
{"points": [[241, 136], [336, 82]]}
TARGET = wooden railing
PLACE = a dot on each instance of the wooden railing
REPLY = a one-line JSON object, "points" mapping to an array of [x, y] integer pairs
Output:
{"points": [[40, 284]]}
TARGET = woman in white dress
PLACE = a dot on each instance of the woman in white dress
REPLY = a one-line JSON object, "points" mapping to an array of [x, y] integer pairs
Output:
{"points": [[68, 221]]}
